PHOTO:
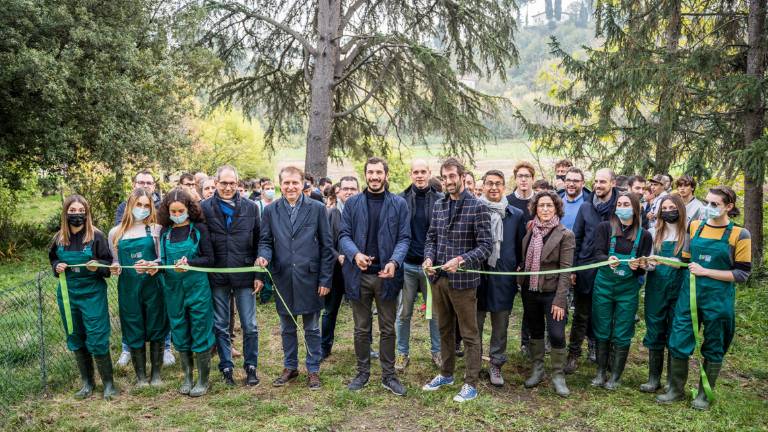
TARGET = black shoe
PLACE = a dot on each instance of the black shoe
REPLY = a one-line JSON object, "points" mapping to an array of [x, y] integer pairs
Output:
{"points": [[228, 380], [360, 381], [251, 379], [393, 384], [459, 351]]}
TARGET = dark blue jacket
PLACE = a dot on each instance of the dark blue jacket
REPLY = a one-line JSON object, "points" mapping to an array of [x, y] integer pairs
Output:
{"points": [[300, 256], [394, 240], [584, 230], [236, 246], [497, 293]]}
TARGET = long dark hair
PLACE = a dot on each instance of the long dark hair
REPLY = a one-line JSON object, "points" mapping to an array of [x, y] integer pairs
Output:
{"points": [[178, 194], [728, 196], [636, 217], [62, 237]]}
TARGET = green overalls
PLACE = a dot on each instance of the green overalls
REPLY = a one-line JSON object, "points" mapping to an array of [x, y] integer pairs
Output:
{"points": [[615, 299], [88, 302], [142, 310], [661, 291], [715, 300], [187, 297]]}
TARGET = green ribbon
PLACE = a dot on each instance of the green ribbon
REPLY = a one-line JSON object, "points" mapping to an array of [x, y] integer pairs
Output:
{"points": [[257, 269]]}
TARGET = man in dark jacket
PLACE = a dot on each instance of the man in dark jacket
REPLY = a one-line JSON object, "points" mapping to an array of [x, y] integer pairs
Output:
{"points": [[375, 234], [459, 236], [348, 187], [496, 294], [296, 244], [420, 198], [598, 209], [233, 223]]}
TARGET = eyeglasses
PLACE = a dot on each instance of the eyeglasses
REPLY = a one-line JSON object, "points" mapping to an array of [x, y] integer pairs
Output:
{"points": [[523, 176], [228, 185], [545, 205], [567, 180], [497, 184]]}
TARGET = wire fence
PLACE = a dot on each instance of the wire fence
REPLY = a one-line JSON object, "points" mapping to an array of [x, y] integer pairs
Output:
{"points": [[34, 360]]}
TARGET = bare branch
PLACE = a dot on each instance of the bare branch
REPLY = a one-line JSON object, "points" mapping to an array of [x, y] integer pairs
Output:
{"points": [[370, 94], [350, 13], [348, 73]]}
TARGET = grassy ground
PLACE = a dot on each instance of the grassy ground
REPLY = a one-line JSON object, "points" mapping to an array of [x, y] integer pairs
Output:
{"points": [[742, 393]]}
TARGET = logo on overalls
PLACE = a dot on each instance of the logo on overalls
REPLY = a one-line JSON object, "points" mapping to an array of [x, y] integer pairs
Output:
{"points": [[705, 258], [620, 272], [137, 255], [76, 269]]}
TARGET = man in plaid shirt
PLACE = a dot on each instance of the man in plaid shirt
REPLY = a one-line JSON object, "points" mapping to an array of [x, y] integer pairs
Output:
{"points": [[459, 236]]}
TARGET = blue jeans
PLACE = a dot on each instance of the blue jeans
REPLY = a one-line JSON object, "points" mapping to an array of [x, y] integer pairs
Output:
{"points": [[413, 284], [167, 344], [311, 323], [246, 308]]}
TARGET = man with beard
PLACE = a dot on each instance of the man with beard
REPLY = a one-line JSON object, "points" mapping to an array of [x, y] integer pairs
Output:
{"points": [[596, 210], [375, 235], [574, 195]]}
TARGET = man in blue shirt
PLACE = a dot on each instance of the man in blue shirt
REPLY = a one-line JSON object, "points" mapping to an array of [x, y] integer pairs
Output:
{"points": [[573, 195]]}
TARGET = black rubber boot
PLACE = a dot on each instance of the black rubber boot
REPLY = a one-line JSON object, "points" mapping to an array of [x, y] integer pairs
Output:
{"points": [[713, 370], [187, 364], [104, 364], [677, 374], [617, 367], [156, 350], [204, 369], [655, 366], [536, 349], [601, 354], [85, 367], [139, 360], [559, 357]]}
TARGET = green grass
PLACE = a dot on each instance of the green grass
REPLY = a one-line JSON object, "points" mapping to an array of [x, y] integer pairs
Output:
{"points": [[741, 391], [39, 209]]}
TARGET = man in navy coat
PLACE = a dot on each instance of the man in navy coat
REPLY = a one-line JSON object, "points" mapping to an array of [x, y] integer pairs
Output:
{"points": [[296, 245], [375, 235]]}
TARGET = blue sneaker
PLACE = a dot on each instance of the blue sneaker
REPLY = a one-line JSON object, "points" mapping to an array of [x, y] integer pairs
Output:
{"points": [[438, 382], [467, 393]]}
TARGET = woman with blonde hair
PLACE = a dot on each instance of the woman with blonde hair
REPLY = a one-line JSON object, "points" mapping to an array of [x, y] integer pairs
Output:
{"points": [[135, 242], [79, 242]]}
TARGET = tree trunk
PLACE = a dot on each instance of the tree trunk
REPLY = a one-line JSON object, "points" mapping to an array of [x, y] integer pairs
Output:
{"points": [[667, 109], [321, 106], [754, 174]]}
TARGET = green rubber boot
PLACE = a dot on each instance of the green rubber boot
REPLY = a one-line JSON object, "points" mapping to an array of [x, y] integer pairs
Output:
{"points": [[617, 367], [536, 349], [204, 369], [677, 374], [187, 364], [713, 370], [559, 358], [104, 364], [139, 360], [655, 366], [601, 349], [85, 367], [156, 350]]}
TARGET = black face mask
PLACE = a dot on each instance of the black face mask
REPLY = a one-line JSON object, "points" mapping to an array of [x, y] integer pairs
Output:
{"points": [[560, 177], [76, 220], [670, 216]]}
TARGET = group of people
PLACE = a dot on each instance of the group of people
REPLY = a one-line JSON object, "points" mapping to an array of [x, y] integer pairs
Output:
{"points": [[378, 249]]}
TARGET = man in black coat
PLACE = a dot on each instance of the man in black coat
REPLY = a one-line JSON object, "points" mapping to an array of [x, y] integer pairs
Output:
{"points": [[598, 209], [296, 244], [233, 224]]}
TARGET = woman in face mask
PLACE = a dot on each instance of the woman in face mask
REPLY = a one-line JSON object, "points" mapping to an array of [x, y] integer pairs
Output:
{"points": [[185, 241], [79, 242], [616, 290], [662, 287], [720, 255], [142, 311]]}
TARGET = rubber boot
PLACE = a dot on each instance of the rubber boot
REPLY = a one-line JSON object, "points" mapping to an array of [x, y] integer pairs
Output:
{"points": [[601, 354], [713, 370], [187, 364], [139, 360], [104, 364], [85, 367], [559, 357], [677, 374], [156, 350], [617, 367], [669, 375], [204, 369], [655, 366], [536, 349]]}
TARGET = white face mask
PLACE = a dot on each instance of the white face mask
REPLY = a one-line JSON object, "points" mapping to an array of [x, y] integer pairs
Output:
{"points": [[712, 212], [140, 214]]}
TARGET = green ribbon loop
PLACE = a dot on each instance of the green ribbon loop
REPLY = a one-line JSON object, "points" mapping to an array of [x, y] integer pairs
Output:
{"points": [[65, 302]]}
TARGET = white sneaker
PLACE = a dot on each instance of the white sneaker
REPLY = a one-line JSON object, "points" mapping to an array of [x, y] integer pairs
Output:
{"points": [[124, 359], [168, 358]]}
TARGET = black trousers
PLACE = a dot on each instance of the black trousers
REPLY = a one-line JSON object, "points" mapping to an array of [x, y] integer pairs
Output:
{"points": [[538, 315]]}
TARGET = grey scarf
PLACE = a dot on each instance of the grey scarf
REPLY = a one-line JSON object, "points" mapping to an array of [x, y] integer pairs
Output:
{"points": [[498, 212]]}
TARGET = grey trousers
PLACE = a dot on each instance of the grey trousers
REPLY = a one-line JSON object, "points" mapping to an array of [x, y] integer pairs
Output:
{"points": [[371, 289], [499, 325]]}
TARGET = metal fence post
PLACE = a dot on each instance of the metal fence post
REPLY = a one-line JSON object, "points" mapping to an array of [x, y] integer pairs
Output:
{"points": [[41, 329]]}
